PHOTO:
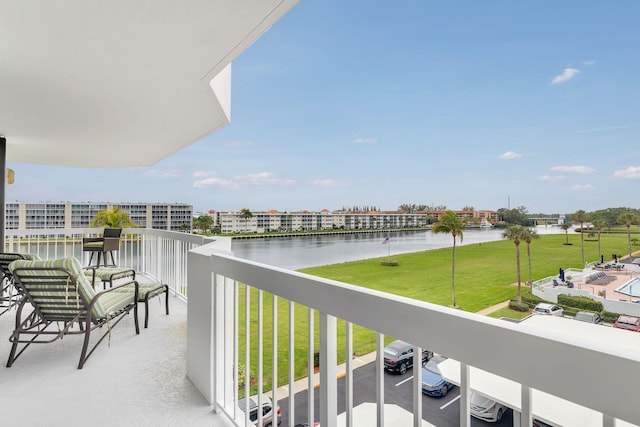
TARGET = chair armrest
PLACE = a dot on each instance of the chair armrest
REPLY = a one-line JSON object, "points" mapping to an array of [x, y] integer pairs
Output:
{"points": [[111, 244], [91, 239], [119, 288]]}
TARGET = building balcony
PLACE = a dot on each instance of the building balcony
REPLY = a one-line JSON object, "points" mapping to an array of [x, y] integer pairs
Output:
{"points": [[185, 368]]}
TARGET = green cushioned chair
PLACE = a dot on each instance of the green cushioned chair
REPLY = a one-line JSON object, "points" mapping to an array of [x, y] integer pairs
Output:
{"points": [[109, 242], [146, 291], [58, 291], [9, 295]]}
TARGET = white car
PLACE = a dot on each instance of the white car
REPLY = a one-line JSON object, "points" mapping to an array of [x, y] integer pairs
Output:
{"points": [[548, 309], [485, 409], [267, 411]]}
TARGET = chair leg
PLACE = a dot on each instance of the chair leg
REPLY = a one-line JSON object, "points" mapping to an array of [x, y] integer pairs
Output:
{"points": [[166, 298]]}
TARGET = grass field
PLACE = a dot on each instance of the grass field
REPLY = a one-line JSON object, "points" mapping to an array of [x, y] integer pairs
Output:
{"points": [[485, 275]]}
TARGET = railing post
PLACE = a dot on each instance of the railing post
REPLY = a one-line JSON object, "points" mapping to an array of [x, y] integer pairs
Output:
{"points": [[328, 379], [310, 364], [465, 414], [525, 406], [417, 387], [200, 325], [349, 374], [380, 380]]}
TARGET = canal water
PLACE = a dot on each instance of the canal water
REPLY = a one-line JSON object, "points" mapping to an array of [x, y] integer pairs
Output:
{"points": [[310, 251]]}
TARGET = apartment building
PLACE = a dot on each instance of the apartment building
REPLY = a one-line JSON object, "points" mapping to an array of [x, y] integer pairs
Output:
{"points": [[273, 220], [34, 215]]}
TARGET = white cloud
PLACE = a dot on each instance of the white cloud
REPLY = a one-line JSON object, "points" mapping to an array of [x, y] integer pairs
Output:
{"points": [[509, 155], [581, 170], [324, 183], [588, 62], [566, 75], [210, 179], [216, 182], [364, 141], [632, 172], [552, 178], [169, 173], [584, 187], [262, 178], [203, 174]]}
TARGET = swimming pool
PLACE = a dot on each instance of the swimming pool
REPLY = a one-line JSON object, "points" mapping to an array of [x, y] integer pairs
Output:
{"points": [[631, 288]]}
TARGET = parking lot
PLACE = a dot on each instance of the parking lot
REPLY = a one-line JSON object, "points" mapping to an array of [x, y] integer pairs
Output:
{"points": [[437, 411]]}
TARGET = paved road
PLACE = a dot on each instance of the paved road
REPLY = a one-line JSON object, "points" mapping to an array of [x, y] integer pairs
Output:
{"points": [[441, 412]]}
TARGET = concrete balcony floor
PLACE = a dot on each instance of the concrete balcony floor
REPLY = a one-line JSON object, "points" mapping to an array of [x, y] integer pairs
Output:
{"points": [[135, 381]]}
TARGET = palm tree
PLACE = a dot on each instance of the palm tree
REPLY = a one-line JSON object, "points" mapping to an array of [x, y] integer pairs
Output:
{"points": [[245, 214], [566, 226], [516, 233], [528, 235], [628, 219], [112, 218], [450, 223], [598, 225], [581, 217]]}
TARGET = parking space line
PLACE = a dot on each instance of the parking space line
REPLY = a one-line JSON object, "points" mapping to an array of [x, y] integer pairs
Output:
{"points": [[450, 402], [405, 380]]}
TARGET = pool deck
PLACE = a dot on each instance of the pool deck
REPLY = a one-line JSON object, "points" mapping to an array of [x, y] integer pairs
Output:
{"points": [[621, 277]]}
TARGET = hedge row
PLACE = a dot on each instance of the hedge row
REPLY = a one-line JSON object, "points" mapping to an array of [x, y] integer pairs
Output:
{"points": [[571, 304], [584, 303], [514, 305]]}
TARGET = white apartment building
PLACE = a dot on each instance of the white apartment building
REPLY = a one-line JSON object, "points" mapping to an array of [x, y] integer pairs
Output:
{"points": [[33, 215], [273, 220]]}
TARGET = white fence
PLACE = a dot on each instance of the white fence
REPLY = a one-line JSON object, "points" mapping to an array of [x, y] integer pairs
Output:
{"points": [[159, 254], [549, 361]]}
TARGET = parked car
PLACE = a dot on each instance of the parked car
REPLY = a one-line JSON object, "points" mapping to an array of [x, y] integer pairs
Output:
{"points": [[398, 356], [267, 410], [628, 322], [548, 309], [589, 317], [484, 408], [432, 382]]}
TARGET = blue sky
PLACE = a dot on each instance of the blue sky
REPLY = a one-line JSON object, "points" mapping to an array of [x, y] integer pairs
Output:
{"points": [[462, 103]]}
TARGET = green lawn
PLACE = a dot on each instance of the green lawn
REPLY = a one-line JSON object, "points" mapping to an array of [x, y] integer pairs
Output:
{"points": [[485, 275]]}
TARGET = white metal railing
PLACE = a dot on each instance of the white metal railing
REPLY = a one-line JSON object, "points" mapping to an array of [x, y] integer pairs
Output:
{"points": [[159, 254], [548, 361]]}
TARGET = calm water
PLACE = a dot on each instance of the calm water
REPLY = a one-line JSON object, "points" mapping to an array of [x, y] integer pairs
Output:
{"points": [[310, 251]]}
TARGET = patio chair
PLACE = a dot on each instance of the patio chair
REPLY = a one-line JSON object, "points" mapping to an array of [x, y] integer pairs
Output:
{"points": [[8, 292], [109, 242], [146, 291], [58, 292]]}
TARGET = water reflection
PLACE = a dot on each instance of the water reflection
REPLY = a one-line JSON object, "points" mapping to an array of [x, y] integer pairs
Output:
{"points": [[308, 251]]}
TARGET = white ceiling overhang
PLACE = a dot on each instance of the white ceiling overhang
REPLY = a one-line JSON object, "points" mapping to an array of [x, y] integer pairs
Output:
{"points": [[120, 83]]}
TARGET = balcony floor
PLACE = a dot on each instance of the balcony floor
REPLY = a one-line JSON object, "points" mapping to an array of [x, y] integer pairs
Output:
{"points": [[136, 381]]}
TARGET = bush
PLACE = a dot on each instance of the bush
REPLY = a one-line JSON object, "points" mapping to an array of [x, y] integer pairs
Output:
{"points": [[584, 303], [609, 316], [513, 304], [569, 311], [530, 299]]}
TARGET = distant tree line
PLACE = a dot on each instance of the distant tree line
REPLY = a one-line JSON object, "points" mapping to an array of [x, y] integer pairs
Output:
{"points": [[413, 208]]}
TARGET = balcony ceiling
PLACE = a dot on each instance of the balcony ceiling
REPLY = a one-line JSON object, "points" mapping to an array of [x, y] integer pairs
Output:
{"points": [[119, 83]]}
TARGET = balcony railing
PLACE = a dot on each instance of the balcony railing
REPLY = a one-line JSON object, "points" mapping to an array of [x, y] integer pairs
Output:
{"points": [[160, 255], [220, 287], [587, 372]]}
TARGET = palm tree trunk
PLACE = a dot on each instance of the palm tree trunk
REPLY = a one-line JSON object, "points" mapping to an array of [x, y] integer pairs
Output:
{"points": [[518, 266], [582, 241], [453, 272], [599, 251], [529, 257], [629, 239]]}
